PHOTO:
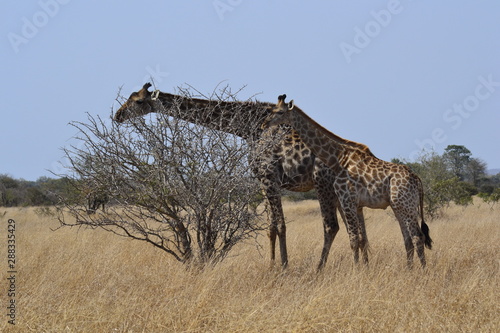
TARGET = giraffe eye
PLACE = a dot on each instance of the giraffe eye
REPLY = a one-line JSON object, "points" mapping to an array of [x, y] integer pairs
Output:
{"points": [[139, 101]]}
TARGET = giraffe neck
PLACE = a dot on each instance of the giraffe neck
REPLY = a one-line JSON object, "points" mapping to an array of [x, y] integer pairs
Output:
{"points": [[334, 151], [243, 119]]}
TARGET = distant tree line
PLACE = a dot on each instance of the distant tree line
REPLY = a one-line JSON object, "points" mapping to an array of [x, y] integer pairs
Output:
{"points": [[455, 176], [44, 191]]}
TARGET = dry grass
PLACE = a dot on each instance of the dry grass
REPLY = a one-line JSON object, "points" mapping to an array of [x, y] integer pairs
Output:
{"points": [[89, 281]]}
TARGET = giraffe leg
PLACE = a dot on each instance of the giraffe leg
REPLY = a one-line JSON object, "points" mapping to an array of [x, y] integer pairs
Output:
{"points": [[277, 228], [363, 237], [405, 222], [409, 251], [406, 203], [273, 232], [328, 205], [419, 245], [417, 240], [352, 226], [282, 238]]}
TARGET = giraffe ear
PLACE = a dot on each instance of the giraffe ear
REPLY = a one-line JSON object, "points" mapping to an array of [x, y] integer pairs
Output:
{"points": [[291, 105]]}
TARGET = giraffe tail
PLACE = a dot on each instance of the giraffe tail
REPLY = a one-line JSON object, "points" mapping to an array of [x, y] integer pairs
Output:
{"points": [[424, 227], [428, 240]]}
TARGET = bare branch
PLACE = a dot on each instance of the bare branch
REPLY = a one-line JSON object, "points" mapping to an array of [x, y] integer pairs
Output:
{"points": [[183, 188]]}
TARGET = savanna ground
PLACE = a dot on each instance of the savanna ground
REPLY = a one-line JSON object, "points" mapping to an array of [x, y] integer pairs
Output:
{"points": [[78, 280]]}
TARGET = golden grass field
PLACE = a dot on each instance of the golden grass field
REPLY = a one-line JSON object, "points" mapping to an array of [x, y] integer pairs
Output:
{"points": [[77, 280]]}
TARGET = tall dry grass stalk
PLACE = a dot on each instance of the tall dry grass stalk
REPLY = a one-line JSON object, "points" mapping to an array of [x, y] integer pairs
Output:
{"points": [[77, 280]]}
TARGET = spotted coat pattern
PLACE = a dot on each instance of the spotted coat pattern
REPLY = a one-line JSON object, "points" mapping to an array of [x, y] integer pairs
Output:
{"points": [[362, 180], [282, 159]]}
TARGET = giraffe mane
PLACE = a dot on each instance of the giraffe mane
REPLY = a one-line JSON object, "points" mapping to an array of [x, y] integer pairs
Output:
{"points": [[236, 117], [346, 143]]}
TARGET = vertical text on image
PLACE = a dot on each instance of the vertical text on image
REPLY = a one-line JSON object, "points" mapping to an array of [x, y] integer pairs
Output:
{"points": [[11, 272]]}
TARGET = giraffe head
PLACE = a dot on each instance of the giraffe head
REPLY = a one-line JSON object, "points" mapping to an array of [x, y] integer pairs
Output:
{"points": [[280, 113], [138, 104]]}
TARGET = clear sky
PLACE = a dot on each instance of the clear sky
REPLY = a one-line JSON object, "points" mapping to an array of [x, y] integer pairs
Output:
{"points": [[397, 76]]}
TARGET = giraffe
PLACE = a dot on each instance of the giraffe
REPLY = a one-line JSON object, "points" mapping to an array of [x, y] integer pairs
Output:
{"points": [[287, 164], [96, 196], [362, 180], [95, 200]]}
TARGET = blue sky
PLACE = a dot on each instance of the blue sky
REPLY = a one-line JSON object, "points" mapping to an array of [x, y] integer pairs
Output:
{"points": [[397, 76]]}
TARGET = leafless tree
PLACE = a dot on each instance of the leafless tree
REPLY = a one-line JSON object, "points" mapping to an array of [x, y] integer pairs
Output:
{"points": [[183, 188]]}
